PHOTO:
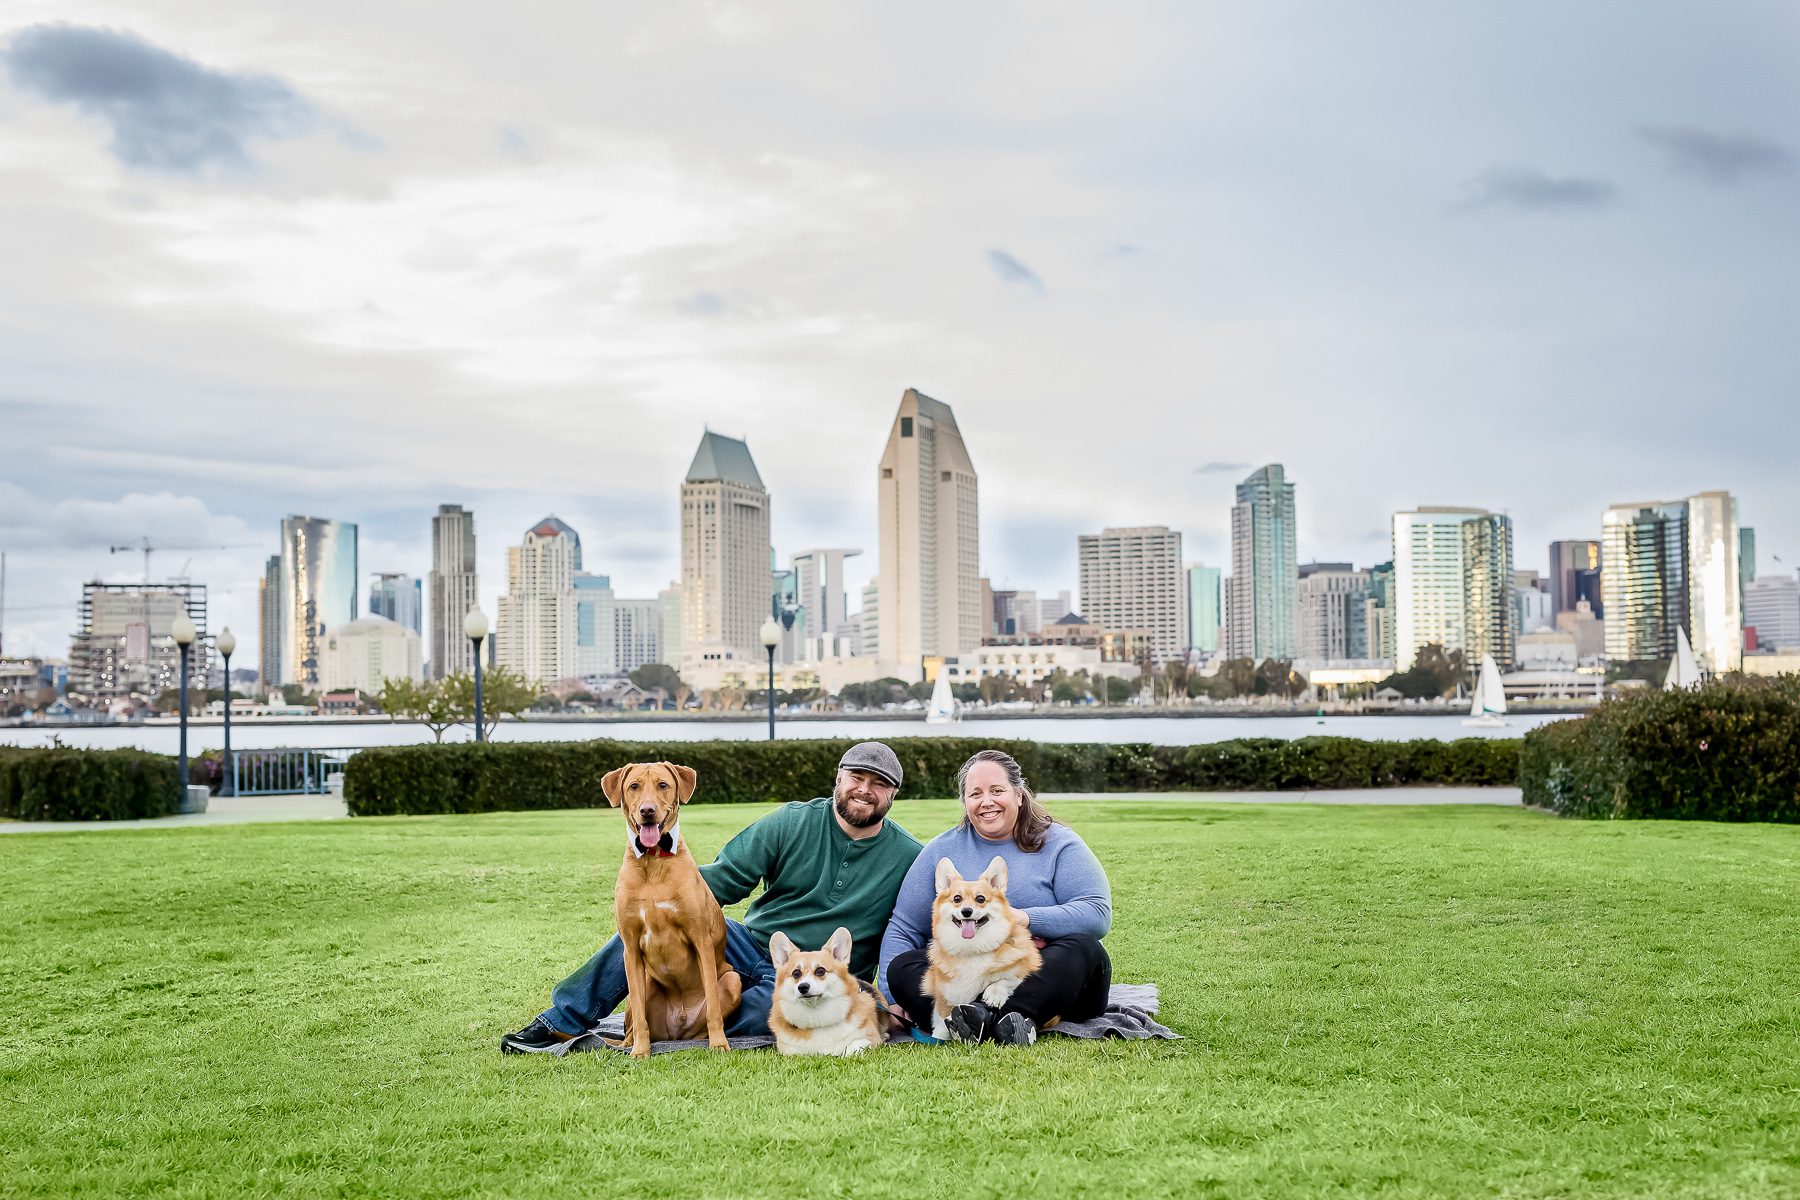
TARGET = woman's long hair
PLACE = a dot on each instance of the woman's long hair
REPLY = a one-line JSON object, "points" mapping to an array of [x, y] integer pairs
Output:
{"points": [[1033, 822]]}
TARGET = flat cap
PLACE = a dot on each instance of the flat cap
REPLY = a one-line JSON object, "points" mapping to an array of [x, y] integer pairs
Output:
{"points": [[873, 757]]}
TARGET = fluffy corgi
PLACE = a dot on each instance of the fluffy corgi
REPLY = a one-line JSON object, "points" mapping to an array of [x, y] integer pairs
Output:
{"points": [[819, 1007], [980, 950]]}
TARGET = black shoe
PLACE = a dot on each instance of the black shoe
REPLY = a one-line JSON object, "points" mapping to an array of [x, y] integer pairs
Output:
{"points": [[535, 1038], [1015, 1029], [973, 1022]]}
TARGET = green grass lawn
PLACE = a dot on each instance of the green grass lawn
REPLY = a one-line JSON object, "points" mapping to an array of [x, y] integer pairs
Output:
{"points": [[1429, 1002]]}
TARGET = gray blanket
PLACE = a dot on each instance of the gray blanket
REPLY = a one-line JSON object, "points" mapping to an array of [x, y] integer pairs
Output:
{"points": [[1130, 1013]]}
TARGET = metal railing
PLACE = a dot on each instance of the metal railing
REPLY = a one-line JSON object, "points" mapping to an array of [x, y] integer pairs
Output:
{"points": [[287, 769]]}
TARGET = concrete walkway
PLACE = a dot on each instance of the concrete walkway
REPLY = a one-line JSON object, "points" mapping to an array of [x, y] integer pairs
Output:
{"points": [[220, 810], [1505, 796], [240, 810]]}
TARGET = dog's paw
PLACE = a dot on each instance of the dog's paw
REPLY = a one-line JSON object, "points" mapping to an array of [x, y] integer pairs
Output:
{"points": [[939, 1030], [995, 995], [856, 1047], [641, 1051], [717, 1044]]}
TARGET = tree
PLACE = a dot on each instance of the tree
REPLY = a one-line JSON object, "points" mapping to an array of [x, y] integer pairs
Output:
{"points": [[1118, 691], [429, 703], [660, 677], [965, 693], [504, 692], [1433, 673]]}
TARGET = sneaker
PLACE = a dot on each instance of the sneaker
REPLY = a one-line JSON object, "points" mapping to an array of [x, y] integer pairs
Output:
{"points": [[535, 1038], [972, 1022], [1015, 1029]]}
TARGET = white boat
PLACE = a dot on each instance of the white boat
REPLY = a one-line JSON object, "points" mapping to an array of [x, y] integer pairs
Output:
{"points": [[1684, 672], [1487, 709], [942, 709]]}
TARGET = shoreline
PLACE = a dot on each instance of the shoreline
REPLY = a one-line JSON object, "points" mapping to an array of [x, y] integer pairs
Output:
{"points": [[1109, 713]]}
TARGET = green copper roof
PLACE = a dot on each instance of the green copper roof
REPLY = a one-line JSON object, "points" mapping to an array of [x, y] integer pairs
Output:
{"points": [[724, 458]]}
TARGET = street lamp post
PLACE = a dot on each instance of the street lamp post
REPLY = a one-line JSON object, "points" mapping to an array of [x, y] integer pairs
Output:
{"points": [[227, 643], [182, 630], [476, 626], [771, 638]]}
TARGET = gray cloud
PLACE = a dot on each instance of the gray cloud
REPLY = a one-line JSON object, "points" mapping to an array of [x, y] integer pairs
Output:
{"points": [[1011, 270], [1125, 250], [1718, 157], [167, 113], [1532, 190], [1220, 468]]}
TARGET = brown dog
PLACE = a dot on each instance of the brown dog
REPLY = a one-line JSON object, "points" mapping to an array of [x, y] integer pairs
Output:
{"points": [[672, 928]]}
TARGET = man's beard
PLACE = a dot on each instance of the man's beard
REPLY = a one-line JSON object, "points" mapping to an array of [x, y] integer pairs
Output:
{"points": [[879, 811]]}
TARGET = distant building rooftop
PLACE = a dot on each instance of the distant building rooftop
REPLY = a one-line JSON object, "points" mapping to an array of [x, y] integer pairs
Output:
{"points": [[726, 459]]}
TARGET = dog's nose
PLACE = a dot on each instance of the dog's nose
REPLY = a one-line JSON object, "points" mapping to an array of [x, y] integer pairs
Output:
{"points": [[968, 912], [803, 987], [647, 814]]}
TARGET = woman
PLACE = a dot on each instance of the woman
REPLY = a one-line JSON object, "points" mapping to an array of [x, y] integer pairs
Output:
{"points": [[1052, 877]]}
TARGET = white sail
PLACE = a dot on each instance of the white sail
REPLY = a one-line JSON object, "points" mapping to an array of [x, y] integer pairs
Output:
{"points": [[1475, 698], [942, 708], [1493, 692], [1684, 672]]}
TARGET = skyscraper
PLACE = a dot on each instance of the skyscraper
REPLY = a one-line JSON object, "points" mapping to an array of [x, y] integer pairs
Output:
{"points": [[454, 590], [1204, 615], [1452, 583], [1671, 565], [637, 628], [1575, 576], [595, 641], [399, 598], [725, 548], [824, 603], [1264, 574], [535, 632], [318, 591], [1333, 604], [268, 623], [668, 641], [125, 643], [1133, 579], [1772, 608], [930, 537]]}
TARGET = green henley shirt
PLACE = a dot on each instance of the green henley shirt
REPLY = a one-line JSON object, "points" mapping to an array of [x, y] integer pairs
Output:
{"points": [[816, 878]]}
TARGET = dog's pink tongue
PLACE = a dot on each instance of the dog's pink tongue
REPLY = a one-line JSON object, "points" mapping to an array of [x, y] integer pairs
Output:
{"points": [[968, 929], [649, 836]]}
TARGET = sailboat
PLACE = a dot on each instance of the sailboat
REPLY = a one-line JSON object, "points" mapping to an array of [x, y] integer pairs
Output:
{"points": [[1487, 709], [942, 709], [1684, 672]]}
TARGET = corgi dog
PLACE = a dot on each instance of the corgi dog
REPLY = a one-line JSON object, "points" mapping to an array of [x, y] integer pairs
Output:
{"points": [[819, 1007], [980, 949]]}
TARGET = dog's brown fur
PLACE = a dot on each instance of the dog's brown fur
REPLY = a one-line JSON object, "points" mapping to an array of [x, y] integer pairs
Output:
{"points": [[672, 928], [836, 1015]]}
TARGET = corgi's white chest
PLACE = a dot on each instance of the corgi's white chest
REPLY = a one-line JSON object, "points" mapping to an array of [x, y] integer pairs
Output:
{"points": [[845, 1036], [967, 978]]}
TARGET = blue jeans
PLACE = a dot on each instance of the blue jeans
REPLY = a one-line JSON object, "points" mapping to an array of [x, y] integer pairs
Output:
{"points": [[598, 987]]}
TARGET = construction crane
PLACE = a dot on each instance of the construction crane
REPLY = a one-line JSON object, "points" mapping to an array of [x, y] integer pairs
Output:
{"points": [[147, 550]]}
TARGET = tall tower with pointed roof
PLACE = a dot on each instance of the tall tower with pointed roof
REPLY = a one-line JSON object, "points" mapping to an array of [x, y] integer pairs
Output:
{"points": [[536, 630], [725, 549], [930, 572]]}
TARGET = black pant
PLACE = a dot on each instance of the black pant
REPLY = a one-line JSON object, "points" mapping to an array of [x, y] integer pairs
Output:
{"points": [[1072, 983]]}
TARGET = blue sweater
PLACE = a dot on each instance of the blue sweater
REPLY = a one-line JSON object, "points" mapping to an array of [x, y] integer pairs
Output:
{"points": [[1061, 886]]}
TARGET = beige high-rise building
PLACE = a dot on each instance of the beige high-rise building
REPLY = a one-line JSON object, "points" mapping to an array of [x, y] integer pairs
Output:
{"points": [[930, 568], [1452, 583], [725, 549], [1133, 579], [454, 589], [535, 634]]}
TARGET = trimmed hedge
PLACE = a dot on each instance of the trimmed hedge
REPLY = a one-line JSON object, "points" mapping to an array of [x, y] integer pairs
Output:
{"points": [[510, 776], [1728, 751], [66, 784]]}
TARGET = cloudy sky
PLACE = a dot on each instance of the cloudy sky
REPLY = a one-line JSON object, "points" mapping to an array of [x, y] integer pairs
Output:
{"points": [[356, 260]]}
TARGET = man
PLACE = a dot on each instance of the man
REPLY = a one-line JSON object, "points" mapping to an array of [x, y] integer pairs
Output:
{"points": [[823, 863]]}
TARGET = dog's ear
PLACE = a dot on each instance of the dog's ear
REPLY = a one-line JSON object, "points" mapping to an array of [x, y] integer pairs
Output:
{"points": [[838, 944], [613, 783], [685, 778], [996, 873], [781, 948], [946, 871]]}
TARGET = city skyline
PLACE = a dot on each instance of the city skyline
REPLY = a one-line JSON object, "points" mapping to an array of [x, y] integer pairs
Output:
{"points": [[1432, 264]]}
